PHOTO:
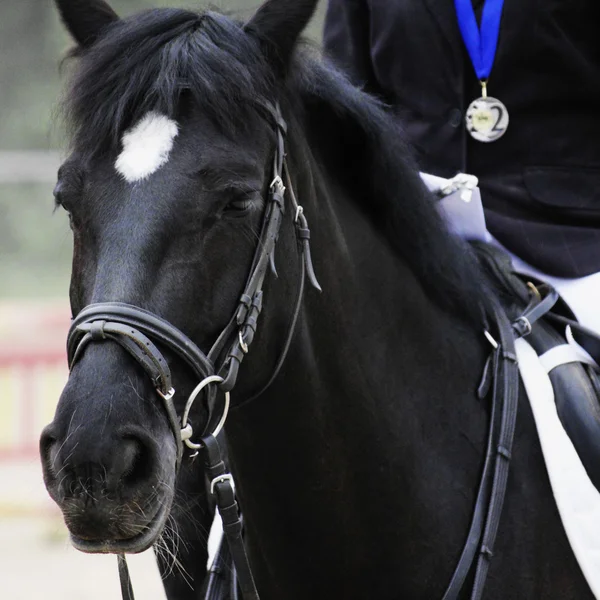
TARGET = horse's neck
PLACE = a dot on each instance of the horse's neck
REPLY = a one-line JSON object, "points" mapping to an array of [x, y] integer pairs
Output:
{"points": [[377, 384], [374, 312]]}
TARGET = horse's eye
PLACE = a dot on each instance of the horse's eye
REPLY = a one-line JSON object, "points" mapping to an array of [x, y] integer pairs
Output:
{"points": [[62, 196], [58, 196], [239, 206], [59, 203]]}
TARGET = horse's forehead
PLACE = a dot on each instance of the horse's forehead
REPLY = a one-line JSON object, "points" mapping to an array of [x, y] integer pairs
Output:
{"points": [[146, 147]]}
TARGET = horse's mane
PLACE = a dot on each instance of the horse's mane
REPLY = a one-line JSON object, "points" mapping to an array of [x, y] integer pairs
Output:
{"points": [[154, 60], [362, 139]]}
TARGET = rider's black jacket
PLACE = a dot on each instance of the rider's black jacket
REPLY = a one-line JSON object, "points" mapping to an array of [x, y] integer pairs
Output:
{"points": [[541, 181]]}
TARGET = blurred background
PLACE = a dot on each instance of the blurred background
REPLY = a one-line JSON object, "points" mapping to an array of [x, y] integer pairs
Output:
{"points": [[35, 253]]}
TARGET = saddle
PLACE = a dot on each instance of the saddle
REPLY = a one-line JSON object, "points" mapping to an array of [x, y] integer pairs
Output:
{"points": [[569, 352]]}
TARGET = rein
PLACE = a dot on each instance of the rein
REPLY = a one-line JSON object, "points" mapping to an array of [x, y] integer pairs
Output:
{"points": [[501, 377], [136, 330]]}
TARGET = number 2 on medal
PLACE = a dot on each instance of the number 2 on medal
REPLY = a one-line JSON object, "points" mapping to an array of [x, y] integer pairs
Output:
{"points": [[500, 110]]}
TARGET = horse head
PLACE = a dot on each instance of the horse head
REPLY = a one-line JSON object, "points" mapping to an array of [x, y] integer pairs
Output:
{"points": [[175, 131]]}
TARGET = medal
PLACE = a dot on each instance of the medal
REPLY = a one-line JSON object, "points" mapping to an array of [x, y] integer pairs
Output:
{"points": [[486, 118]]}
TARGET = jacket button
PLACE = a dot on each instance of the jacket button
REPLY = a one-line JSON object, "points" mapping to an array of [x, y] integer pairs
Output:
{"points": [[455, 117]]}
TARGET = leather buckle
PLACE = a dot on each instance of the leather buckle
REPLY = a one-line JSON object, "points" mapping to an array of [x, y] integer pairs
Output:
{"points": [[226, 477], [168, 396], [522, 326], [243, 344], [277, 185]]}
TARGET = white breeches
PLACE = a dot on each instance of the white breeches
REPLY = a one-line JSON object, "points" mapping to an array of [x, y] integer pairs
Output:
{"points": [[463, 212], [582, 295]]}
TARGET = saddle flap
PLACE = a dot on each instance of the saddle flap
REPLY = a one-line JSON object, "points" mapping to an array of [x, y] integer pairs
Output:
{"points": [[576, 396], [575, 382]]}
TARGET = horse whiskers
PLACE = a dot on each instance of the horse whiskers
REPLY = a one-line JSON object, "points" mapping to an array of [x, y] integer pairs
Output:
{"points": [[72, 510], [66, 461], [176, 535], [166, 556], [61, 482], [60, 449], [253, 236], [187, 514], [170, 534], [141, 510], [69, 434], [87, 488], [185, 505], [133, 506], [164, 484], [135, 390]]}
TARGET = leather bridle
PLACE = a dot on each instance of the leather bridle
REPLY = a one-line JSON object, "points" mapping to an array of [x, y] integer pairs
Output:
{"points": [[136, 331], [140, 332]]}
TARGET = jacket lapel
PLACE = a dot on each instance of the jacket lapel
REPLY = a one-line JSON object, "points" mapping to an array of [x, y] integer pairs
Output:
{"points": [[444, 14]]}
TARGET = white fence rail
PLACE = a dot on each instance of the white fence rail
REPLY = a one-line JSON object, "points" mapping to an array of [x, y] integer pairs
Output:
{"points": [[35, 166]]}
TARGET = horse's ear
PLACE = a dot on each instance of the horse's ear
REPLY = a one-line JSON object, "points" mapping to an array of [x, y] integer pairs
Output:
{"points": [[86, 19], [278, 25]]}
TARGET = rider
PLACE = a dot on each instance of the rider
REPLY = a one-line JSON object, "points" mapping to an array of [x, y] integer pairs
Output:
{"points": [[508, 90]]}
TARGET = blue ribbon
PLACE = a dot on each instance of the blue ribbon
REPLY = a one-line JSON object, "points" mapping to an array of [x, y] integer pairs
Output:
{"points": [[481, 43]]}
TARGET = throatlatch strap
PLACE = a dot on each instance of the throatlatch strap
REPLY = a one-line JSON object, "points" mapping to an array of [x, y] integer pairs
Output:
{"points": [[222, 490]]}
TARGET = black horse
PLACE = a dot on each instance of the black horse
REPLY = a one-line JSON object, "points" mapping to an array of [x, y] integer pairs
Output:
{"points": [[357, 467]]}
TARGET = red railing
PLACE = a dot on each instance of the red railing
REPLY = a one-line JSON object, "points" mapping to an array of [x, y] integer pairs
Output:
{"points": [[30, 383]]}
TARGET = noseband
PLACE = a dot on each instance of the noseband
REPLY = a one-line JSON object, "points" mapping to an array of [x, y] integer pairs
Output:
{"points": [[138, 332]]}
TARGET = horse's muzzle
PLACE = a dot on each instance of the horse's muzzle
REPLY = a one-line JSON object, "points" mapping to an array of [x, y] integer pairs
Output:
{"points": [[114, 500]]}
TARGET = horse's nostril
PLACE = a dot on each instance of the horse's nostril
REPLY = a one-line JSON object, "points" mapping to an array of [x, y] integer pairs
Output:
{"points": [[136, 462], [48, 450]]}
